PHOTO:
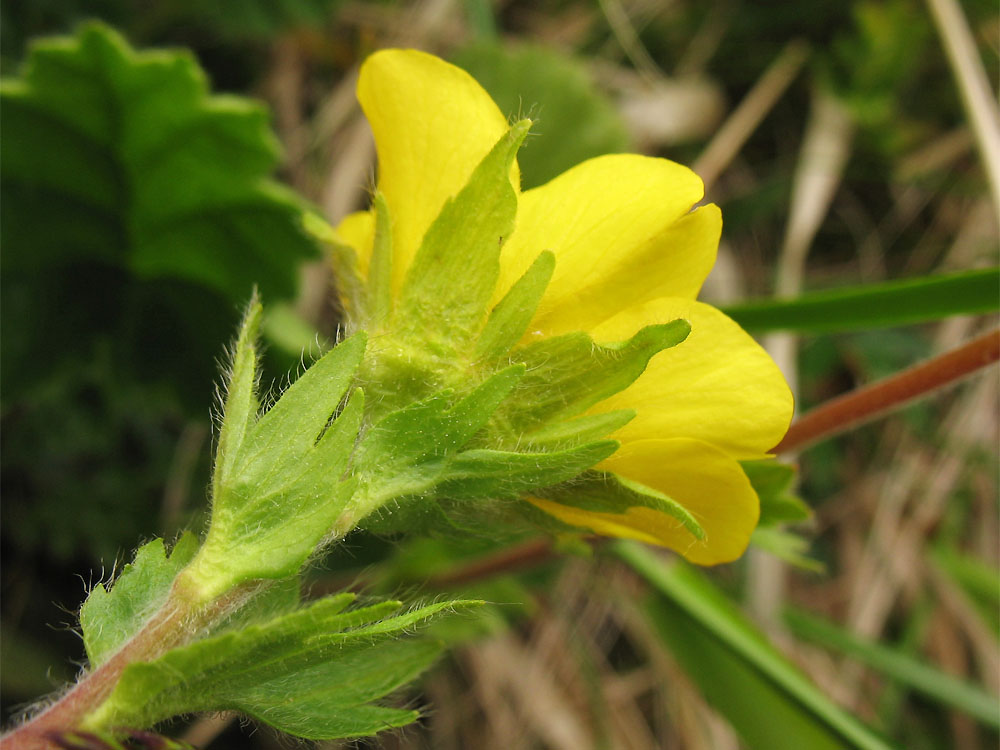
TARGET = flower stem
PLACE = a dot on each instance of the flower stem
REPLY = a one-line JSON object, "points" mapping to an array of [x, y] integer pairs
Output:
{"points": [[872, 401]]}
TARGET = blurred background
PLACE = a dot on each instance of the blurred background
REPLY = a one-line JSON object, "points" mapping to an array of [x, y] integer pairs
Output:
{"points": [[834, 138]]}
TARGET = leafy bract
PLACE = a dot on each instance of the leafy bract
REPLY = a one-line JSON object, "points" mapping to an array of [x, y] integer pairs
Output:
{"points": [[280, 480], [110, 618], [313, 673], [464, 243], [600, 492], [123, 157], [510, 318], [569, 373]]}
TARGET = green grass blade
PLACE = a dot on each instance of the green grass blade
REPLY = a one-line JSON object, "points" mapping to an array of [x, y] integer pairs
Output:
{"points": [[893, 303], [901, 667], [767, 700]]}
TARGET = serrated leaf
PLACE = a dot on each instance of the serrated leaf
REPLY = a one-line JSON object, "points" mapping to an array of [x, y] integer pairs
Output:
{"points": [[123, 157], [447, 289], [567, 374], [606, 493], [773, 481], [319, 658], [512, 315], [575, 121], [109, 619], [285, 483]]}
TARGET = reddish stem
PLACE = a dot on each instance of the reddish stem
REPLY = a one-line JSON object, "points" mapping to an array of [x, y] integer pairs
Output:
{"points": [[870, 402]]}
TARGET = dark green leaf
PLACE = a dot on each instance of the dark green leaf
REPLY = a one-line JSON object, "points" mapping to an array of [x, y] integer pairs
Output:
{"points": [[892, 303], [109, 618], [123, 157]]}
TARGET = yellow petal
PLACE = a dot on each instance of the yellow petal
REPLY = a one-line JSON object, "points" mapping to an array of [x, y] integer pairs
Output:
{"points": [[707, 482], [433, 124], [622, 231], [718, 385], [357, 230]]}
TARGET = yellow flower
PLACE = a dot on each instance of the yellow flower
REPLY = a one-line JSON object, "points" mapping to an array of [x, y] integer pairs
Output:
{"points": [[630, 251]]}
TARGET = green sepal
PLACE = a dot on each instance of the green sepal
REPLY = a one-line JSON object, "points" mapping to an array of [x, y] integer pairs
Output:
{"points": [[407, 453], [447, 289], [281, 486], [379, 291], [773, 481], [510, 318], [567, 374], [478, 474], [313, 673], [580, 429], [109, 619], [603, 492]]}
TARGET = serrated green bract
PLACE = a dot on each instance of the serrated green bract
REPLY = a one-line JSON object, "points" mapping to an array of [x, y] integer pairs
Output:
{"points": [[110, 618], [280, 481], [447, 290], [313, 673], [602, 492], [123, 156], [567, 374], [773, 482]]}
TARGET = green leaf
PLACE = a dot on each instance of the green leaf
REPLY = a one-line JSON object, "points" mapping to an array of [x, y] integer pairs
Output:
{"points": [[893, 303], [899, 666], [512, 315], [567, 374], [122, 157], [448, 287], [313, 673], [603, 492], [767, 700], [279, 490], [575, 121], [109, 619], [773, 482]]}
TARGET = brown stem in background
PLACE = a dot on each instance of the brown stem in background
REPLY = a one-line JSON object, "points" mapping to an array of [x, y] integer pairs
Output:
{"points": [[870, 402]]}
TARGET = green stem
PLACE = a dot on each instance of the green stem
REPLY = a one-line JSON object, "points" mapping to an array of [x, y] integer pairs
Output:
{"points": [[870, 402]]}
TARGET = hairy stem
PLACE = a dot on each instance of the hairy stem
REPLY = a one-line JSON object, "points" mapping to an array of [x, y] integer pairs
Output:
{"points": [[178, 621], [873, 401]]}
